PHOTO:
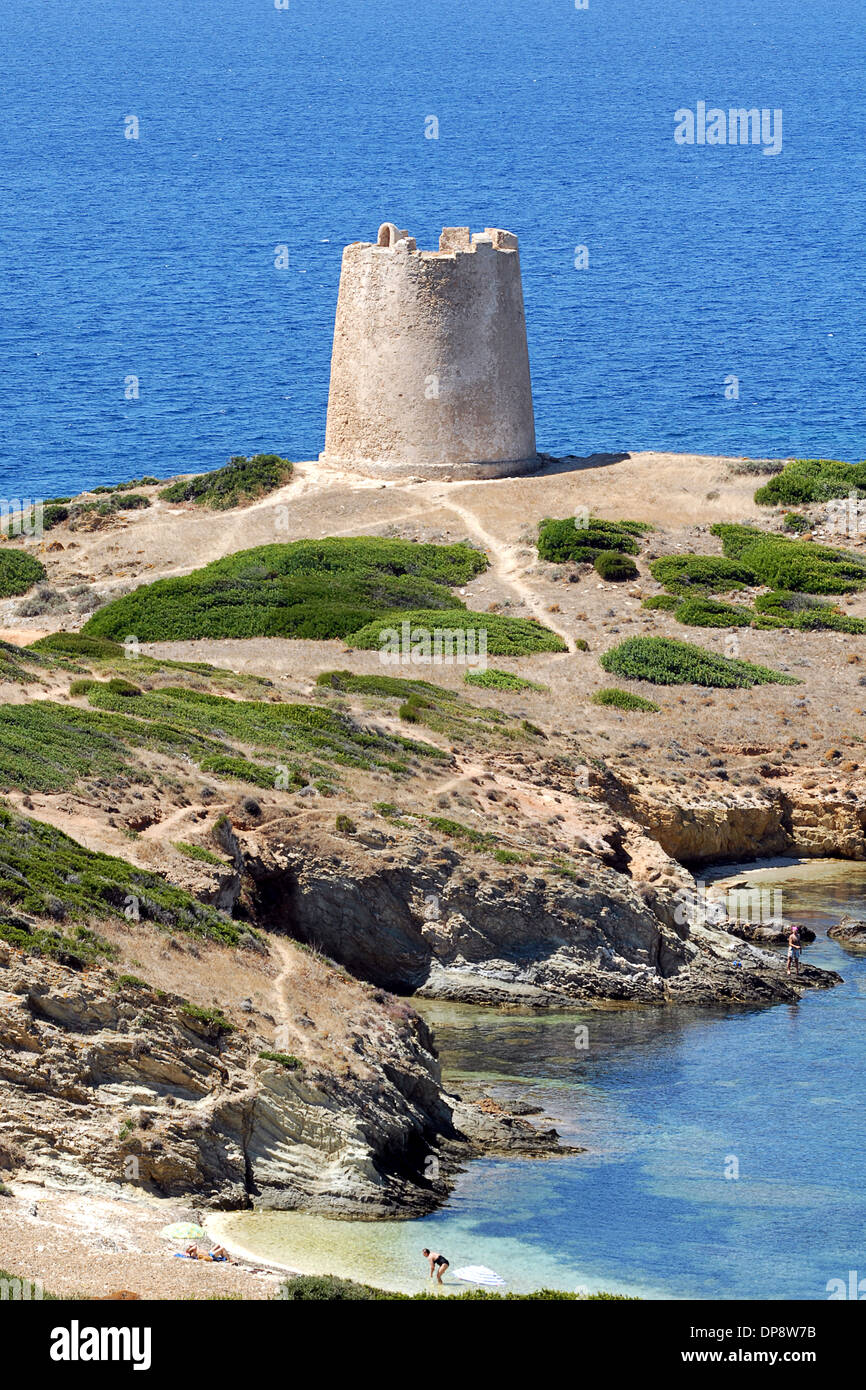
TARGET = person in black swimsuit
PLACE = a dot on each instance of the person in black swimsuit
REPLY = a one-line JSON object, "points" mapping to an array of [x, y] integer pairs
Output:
{"points": [[438, 1263]]}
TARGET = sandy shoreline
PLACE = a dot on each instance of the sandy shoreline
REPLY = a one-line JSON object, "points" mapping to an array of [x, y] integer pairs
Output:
{"points": [[87, 1245]]}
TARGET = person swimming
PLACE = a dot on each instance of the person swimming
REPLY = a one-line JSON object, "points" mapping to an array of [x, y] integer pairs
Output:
{"points": [[438, 1263]]}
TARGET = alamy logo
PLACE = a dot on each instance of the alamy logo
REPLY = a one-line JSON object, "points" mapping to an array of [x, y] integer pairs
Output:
{"points": [[854, 1289], [737, 905], [77, 1343], [421, 646], [21, 516], [20, 1290], [738, 125]]}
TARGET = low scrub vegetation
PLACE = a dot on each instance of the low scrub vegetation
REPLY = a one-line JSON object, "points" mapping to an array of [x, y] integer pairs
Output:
{"points": [[18, 572], [309, 1288], [441, 710], [791, 564], [701, 574], [315, 589], [614, 567], [282, 1059], [813, 480], [45, 746], [50, 876], [492, 679], [665, 602], [709, 612], [77, 644], [241, 480], [781, 608], [504, 636], [565, 539], [665, 661], [624, 699], [199, 853]]}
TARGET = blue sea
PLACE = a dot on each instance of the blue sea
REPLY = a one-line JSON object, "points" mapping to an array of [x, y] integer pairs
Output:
{"points": [[725, 1148], [144, 324]]}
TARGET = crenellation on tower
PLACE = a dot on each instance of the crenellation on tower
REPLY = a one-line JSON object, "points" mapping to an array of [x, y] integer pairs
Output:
{"points": [[430, 366]]}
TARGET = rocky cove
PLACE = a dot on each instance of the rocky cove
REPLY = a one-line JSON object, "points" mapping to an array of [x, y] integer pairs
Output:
{"points": [[114, 1084]]}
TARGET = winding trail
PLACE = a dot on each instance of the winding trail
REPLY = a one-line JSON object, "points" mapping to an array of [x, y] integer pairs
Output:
{"points": [[506, 565], [286, 958]]}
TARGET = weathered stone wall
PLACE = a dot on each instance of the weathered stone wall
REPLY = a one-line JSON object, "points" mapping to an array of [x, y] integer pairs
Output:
{"points": [[430, 367]]}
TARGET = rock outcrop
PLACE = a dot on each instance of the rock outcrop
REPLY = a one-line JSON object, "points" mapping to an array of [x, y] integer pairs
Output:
{"points": [[752, 823], [850, 932], [430, 922], [109, 1084]]}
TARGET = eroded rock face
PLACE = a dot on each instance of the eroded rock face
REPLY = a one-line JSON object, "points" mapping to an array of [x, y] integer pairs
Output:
{"points": [[438, 925], [107, 1083], [751, 823]]}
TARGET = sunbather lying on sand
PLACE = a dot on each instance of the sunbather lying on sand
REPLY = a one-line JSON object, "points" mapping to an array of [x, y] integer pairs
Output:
{"points": [[192, 1252]]}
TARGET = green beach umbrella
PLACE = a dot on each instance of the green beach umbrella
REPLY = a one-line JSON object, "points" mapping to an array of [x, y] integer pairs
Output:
{"points": [[184, 1230]]}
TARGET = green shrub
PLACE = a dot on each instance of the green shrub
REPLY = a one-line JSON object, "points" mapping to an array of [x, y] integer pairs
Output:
{"points": [[667, 602], [22, 664], [813, 480], [667, 662], [47, 746], [793, 521], [794, 565], [623, 699], [563, 540], [614, 567], [444, 711], [314, 589], [241, 480], [491, 679], [708, 612], [456, 830], [505, 636], [117, 502], [345, 825], [82, 687], [282, 1059], [792, 610], [212, 1018], [18, 572], [708, 574], [199, 853], [77, 644], [54, 514]]}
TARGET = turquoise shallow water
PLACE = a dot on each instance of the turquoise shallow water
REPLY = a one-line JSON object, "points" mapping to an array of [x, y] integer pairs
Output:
{"points": [[663, 1099]]}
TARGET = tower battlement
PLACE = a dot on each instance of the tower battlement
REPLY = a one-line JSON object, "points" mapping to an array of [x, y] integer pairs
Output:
{"points": [[430, 367]]}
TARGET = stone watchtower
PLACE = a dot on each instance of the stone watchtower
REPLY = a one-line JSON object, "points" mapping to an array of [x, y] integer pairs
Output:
{"points": [[430, 368]]}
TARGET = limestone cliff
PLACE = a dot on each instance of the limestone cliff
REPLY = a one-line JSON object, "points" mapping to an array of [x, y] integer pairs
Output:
{"points": [[108, 1083]]}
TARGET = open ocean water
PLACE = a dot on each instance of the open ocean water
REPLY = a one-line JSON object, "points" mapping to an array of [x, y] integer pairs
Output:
{"points": [[304, 128]]}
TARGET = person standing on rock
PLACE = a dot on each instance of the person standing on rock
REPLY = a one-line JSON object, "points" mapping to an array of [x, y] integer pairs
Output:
{"points": [[438, 1263], [794, 948]]}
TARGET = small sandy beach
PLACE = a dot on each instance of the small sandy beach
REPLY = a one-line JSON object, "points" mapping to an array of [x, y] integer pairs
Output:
{"points": [[84, 1245]]}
